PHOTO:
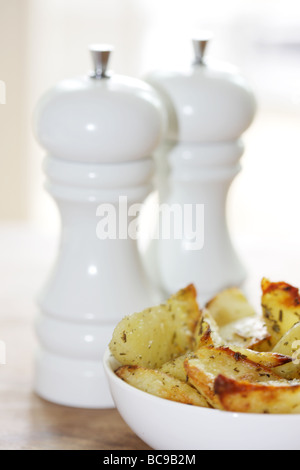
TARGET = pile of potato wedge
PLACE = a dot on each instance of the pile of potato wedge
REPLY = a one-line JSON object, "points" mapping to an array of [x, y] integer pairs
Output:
{"points": [[225, 356]]}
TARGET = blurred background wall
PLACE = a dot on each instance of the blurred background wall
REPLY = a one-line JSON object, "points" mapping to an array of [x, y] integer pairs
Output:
{"points": [[43, 41]]}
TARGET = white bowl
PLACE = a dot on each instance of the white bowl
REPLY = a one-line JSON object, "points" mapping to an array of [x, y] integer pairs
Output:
{"points": [[167, 425]]}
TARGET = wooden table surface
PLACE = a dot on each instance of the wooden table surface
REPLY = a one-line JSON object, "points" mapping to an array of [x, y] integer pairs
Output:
{"points": [[28, 422]]}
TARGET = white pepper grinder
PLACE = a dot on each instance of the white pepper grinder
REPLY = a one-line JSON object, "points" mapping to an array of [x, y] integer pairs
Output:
{"points": [[99, 132], [209, 107]]}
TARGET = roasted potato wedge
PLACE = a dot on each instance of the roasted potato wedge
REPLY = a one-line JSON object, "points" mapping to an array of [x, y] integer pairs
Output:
{"points": [[208, 362], [248, 332], [175, 367], [290, 344], [281, 308], [207, 332], [271, 360], [161, 385], [159, 334], [237, 320], [269, 398], [229, 306]]}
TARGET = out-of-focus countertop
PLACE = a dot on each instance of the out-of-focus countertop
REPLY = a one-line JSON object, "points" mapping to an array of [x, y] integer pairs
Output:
{"points": [[28, 422]]}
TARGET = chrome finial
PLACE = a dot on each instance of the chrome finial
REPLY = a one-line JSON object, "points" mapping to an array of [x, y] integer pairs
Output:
{"points": [[200, 46], [101, 54]]}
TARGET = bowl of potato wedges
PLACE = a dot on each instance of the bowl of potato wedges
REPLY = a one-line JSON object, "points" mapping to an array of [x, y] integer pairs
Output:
{"points": [[220, 377]]}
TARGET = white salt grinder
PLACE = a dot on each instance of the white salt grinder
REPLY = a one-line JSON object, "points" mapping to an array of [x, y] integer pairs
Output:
{"points": [[209, 107], [99, 132]]}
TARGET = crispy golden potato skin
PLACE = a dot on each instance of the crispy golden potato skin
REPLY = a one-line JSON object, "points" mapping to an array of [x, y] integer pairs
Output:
{"points": [[268, 398], [281, 308], [207, 332], [208, 362], [159, 334], [271, 360], [161, 385]]}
